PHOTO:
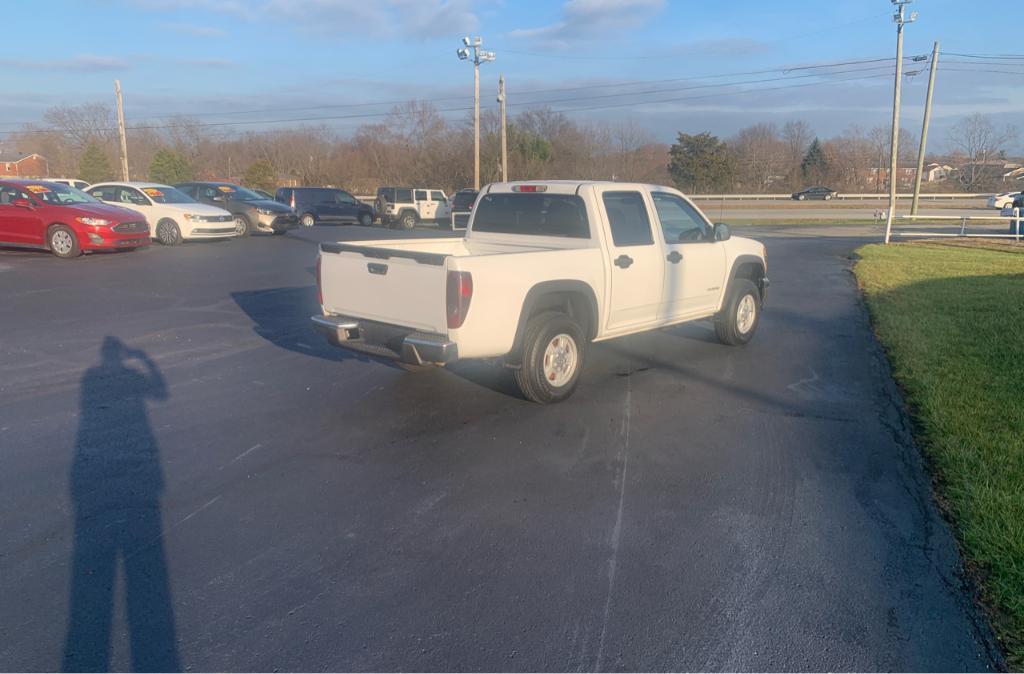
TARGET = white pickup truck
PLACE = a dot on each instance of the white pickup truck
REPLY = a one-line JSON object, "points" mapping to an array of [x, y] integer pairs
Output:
{"points": [[545, 268]]}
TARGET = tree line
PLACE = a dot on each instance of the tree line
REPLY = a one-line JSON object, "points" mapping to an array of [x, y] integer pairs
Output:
{"points": [[416, 145]]}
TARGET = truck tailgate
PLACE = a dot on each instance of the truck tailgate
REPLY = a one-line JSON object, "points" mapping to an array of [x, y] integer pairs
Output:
{"points": [[387, 285]]}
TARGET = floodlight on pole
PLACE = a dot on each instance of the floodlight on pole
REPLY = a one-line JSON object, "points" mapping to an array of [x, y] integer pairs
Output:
{"points": [[479, 56], [900, 19]]}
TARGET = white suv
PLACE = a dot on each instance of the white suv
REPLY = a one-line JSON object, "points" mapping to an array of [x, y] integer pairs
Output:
{"points": [[173, 216], [406, 207]]}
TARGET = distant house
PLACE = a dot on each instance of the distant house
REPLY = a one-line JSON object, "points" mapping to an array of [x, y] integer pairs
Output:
{"points": [[879, 178], [990, 172], [937, 173], [1014, 175], [15, 164]]}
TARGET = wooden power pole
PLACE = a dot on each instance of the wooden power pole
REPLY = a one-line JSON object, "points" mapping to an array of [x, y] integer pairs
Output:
{"points": [[924, 128], [121, 132]]}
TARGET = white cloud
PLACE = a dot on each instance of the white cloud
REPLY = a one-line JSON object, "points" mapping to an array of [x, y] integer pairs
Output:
{"points": [[416, 19], [194, 30], [76, 63], [582, 19]]}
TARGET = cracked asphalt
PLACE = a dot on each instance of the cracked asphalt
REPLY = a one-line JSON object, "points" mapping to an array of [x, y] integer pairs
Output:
{"points": [[192, 479]]}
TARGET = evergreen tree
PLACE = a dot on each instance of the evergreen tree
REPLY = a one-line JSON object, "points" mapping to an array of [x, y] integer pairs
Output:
{"points": [[815, 167], [169, 167], [261, 175], [702, 164], [93, 167]]}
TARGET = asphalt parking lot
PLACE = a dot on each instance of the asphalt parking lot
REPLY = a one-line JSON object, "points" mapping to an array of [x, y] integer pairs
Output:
{"points": [[193, 479]]}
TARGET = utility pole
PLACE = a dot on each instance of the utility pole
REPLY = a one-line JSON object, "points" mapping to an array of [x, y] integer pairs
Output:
{"points": [[121, 132], [924, 128], [504, 130], [900, 19], [479, 56]]}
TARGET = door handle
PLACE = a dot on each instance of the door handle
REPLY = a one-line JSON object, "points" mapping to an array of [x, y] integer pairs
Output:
{"points": [[674, 257], [623, 261]]}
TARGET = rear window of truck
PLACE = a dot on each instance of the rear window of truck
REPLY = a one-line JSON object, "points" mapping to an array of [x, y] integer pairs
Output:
{"points": [[562, 215]]}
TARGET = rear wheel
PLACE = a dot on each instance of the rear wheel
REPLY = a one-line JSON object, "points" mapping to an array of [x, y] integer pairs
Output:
{"points": [[554, 348], [167, 233], [365, 219], [307, 220], [737, 322], [63, 242], [407, 221]]}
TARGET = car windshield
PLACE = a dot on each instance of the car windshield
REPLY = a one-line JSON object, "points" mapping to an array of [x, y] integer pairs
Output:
{"points": [[236, 193], [167, 195], [58, 194]]}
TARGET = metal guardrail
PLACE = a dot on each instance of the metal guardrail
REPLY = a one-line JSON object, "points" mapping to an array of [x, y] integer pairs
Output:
{"points": [[1016, 219]]}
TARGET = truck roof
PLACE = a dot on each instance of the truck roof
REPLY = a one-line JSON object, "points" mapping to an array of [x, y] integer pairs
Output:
{"points": [[562, 186]]}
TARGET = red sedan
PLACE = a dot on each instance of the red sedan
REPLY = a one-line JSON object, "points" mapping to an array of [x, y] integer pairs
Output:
{"points": [[65, 221]]}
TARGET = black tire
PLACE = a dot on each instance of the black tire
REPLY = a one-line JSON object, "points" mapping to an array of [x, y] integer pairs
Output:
{"points": [[307, 220], [407, 221], [541, 332], [729, 322], [243, 227], [62, 242], [801, 198], [168, 233], [365, 219]]}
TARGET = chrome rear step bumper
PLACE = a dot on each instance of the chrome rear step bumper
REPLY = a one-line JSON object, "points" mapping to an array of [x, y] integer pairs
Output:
{"points": [[386, 341]]}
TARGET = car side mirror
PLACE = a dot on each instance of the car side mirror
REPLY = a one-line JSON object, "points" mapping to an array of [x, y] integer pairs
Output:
{"points": [[23, 203], [721, 232]]}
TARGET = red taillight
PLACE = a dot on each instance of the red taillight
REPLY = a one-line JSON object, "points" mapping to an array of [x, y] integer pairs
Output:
{"points": [[529, 188], [293, 201], [319, 282], [459, 293]]}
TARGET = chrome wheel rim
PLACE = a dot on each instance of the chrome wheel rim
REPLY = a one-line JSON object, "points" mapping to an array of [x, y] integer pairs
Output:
{"points": [[62, 242], [240, 225], [560, 359], [166, 233], [745, 314], [307, 221]]}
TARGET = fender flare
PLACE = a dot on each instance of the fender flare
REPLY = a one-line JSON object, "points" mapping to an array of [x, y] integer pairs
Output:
{"points": [[537, 293], [741, 260]]}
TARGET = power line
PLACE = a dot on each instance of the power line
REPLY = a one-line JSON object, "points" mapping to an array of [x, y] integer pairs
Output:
{"points": [[339, 106]]}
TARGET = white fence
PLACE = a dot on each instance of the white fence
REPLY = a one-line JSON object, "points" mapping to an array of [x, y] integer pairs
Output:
{"points": [[840, 197], [1014, 221]]}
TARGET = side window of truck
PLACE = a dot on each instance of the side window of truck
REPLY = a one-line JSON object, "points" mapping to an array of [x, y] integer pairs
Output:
{"points": [[680, 222], [627, 216]]}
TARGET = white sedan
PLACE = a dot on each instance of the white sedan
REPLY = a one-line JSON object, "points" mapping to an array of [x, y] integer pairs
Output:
{"points": [[1002, 200], [173, 216]]}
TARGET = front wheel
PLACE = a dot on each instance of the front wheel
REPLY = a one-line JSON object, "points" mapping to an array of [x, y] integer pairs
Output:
{"points": [[737, 322], [242, 226], [554, 348], [167, 233], [63, 242]]}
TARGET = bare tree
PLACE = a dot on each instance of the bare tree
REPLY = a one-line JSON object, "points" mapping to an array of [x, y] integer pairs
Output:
{"points": [[983, 146], [761, 155]]}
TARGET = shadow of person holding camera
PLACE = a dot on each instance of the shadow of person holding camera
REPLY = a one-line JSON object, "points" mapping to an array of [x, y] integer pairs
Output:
{"points": [[116, 484]]}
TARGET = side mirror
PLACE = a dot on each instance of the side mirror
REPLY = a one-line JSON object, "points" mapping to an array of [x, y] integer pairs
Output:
{"points": [[23, 203], [722, 232]]}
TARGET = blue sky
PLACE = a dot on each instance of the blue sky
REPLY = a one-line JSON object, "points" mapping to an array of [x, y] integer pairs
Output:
{"points": [[206, 57]]}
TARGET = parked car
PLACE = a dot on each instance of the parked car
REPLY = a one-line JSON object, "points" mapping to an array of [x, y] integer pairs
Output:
{"points": [[70, 182], [1016, 205], [462, 207], [173, 216], [405, 207], [1003, 200], [325, 205], [823, 193], [544, 269], [65, 221], [252, 213]]}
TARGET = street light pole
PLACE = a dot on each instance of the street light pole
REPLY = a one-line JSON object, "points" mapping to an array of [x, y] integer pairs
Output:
{"points": [[473, 48], [900, 19], [121, 132]]}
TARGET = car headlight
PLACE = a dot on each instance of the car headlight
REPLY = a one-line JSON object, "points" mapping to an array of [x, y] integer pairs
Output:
{"points": [[94, 222], [264, 211]]}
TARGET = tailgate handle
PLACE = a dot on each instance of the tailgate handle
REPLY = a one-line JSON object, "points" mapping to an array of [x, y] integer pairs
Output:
{"points": [[377, 268]]}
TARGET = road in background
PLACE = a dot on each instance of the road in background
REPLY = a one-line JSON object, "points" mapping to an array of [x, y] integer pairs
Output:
{"points": [[692, 507]]}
